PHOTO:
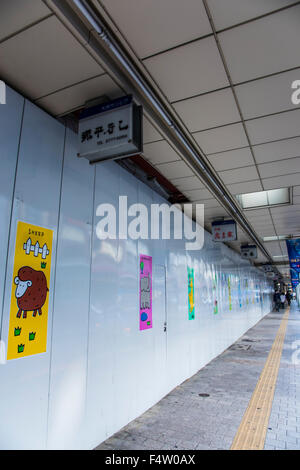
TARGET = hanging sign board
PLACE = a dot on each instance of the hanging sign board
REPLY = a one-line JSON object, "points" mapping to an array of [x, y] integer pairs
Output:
{"points": [[30, 291], [224, 230], [145, 302], [111, 130], [249, 251], [271, 275], [267, 268]]}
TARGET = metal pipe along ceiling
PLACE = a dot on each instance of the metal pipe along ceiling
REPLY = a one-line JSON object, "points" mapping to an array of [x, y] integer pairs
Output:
{"points": [[206, 173]]}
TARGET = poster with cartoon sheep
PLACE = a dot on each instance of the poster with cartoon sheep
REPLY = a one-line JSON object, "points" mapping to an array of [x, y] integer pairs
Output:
{"points": [[28, 321]]}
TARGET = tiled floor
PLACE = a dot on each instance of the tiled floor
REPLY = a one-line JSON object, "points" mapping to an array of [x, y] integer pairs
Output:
{"points": [[284, 423], [186, 420]]}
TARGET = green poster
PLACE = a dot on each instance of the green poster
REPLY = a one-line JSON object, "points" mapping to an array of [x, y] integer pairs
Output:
{"points": [[191, 299], [229, 293], [215, 293]]}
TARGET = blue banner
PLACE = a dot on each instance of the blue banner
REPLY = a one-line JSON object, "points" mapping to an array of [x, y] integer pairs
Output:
{"points": [[293, 247]]}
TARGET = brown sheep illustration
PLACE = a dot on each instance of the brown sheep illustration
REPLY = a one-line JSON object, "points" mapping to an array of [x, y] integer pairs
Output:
{"points": [[31, 291]]}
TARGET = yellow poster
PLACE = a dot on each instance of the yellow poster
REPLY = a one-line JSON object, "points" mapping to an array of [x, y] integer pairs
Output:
{"points": [[30, 292]]}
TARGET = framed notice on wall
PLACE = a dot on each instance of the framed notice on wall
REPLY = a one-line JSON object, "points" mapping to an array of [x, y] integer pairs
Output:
{"points": [[145, 297]]}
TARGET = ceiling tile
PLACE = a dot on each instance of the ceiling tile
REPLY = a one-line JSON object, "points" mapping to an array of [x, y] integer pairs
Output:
{"points": [[262, 225], [227, 13], [257, 213], [246, 187], [209, 110], [195, 68], [267, 219], [266, 232], [239, 175], [293, 216], [259, 219], [267, 96], [286, 210], [279, 126], [222, 138], [232, 159], [273, 151], [46, 58], [273, 247], [160, 152], [210, 203], [75, 96], [198, 194], [174, 170], [18, 14], [264, 46], [188, 183], [285, 227], [260, 257], [287, 223], [287, 232], [150, 134], [283, 246], [211, 213], [151, 28], [296, 199], [283, 167], [242, 237], [283, 181]]}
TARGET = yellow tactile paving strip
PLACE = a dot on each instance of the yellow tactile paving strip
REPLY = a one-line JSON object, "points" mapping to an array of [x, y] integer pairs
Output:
{"points": [[252, 431]]}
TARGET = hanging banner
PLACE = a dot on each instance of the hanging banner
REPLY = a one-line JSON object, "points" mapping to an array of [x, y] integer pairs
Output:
{"points": [[145, 309], [30, 292], [293, 247], [191, 298]]}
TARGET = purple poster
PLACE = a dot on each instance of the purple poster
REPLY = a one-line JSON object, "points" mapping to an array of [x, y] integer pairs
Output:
{"points": [[145, 308]]}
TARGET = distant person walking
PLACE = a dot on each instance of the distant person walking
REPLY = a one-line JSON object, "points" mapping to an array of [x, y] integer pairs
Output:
{"points": [[282, 299], [288, 297], [277, 301]]}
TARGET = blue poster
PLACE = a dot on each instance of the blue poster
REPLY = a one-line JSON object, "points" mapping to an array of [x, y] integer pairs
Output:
{"points": [[293, 247]]}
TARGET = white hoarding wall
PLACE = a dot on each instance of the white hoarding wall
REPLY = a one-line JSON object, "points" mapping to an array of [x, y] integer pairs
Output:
{"points": [[100, 370]]}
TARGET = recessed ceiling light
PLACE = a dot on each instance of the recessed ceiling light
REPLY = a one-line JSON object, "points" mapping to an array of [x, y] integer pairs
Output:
{"points": [[270, 198]]}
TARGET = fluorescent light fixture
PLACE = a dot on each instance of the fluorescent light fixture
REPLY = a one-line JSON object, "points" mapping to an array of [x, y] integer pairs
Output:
{"points": [[280, 237], [272, 197], [280, 256], [276, 237]]}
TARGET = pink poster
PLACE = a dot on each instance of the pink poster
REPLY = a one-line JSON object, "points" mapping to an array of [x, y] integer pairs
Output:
{"points": [[145, 307]]}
